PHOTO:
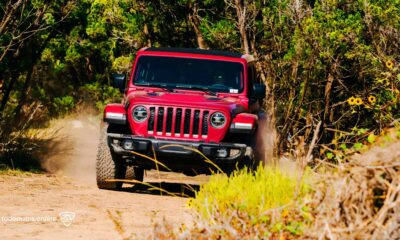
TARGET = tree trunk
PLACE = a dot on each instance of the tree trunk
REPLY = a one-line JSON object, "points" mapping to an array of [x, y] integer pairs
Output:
{"points": [[7, 92], [241, 16], [8, 14], [36, 52], [327, 96], [195, 22], [199, 36], [14, 76], [147, 35], [24, 91]]}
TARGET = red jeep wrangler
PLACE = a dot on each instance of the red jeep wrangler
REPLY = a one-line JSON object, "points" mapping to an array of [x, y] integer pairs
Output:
{"points": [[185, 110]]}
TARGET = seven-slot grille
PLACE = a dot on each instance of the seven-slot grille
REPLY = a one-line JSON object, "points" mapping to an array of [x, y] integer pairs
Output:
{"points": [[178, 122]]}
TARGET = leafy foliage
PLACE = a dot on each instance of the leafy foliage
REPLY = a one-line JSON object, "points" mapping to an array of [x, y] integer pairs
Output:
{"points": [[358, 199], [268, 204], [253, 193], [334, 62], [63, 105]]}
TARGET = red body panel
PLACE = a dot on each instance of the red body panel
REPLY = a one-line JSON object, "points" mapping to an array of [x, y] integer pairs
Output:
{"points": [[182, 99], [114, 108], [245, 121], [246, 118]]}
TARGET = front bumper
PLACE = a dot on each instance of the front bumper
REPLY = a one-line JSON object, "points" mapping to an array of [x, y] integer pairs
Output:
{"points": [[181, 156]]}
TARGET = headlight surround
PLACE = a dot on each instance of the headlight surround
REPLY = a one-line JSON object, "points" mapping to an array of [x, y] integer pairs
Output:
{"points": [[218, 120], [140, 114]]}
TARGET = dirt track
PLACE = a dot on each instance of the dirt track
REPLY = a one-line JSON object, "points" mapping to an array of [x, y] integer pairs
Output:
{"points": [[99, 214]]}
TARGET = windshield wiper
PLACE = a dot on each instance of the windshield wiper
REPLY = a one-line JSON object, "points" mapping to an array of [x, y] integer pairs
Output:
{"points": [[162, 86], [204, 89]]}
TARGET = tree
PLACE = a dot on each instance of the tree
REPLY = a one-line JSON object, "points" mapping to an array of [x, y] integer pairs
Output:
{"points": [[23, 25]]}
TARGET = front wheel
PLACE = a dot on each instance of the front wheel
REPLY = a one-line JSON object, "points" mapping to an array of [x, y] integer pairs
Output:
{"points": [[135, 173], [109, 166], [249, 161]]}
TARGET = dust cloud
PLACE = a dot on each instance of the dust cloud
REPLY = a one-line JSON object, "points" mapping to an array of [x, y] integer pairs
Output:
{"points": [[266, 139], [72, 149]]}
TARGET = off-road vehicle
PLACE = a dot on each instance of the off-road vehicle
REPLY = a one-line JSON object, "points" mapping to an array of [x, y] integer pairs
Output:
{"points": [[184, 110]]}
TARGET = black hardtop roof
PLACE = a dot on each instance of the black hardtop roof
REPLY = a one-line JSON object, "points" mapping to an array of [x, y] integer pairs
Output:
{"points": [[196, 51]]}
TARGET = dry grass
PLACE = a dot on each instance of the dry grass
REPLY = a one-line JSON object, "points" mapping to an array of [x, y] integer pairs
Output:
{"points": [[359, 199], [362, 200], [264, 204], [117, 221]]}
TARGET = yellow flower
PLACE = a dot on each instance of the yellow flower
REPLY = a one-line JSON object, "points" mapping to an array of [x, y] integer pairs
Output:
{"points": [[321, 151], [383, 81], [285, 213], [372, 99], [389, 64], [358, 101], [351, 100]]}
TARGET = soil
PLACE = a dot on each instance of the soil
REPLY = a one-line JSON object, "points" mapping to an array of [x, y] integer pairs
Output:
{"points": [[37, 206]]}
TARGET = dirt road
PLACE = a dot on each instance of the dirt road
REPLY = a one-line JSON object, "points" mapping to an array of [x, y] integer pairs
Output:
{"points": [[67, 204]]}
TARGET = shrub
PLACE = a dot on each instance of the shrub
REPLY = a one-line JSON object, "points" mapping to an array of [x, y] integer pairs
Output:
{"points": [[356, 200], [247, 206], [100, 94], [63, 105], [361, 201], [252, 193]]}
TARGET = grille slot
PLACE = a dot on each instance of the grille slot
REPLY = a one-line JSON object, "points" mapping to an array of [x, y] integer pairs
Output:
{"points": [[151, 119], [186, 127], [196, 122], [160, 119], [204, 126], [169, 120], [178, 122]]}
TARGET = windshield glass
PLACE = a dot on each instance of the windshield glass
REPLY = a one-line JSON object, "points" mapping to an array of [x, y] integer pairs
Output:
{"points": [[188, 73]]}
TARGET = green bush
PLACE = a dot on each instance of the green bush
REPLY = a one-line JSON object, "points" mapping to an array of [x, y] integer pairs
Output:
{"points": [[253, 193], [100, 94], [269, 204], [63, 105]]}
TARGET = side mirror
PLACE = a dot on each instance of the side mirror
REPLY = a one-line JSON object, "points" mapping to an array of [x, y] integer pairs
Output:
{"points": [[119, 81], [259, 91]]}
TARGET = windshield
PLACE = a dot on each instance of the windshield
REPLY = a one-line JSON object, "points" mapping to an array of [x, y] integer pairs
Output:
{"points": [[187, 73]]}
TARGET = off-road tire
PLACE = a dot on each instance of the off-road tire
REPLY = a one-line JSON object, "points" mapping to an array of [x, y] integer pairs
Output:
{"points": [[259, 152], [251, 160], [109, 166], [135, 173], [254, 154]]}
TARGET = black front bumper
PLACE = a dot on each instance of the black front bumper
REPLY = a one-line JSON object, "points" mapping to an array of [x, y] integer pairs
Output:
{"points": [[179, 156]]}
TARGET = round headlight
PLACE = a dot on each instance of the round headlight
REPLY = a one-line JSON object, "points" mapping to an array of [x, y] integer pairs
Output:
{"points": [[218, 120], [139, 114]]}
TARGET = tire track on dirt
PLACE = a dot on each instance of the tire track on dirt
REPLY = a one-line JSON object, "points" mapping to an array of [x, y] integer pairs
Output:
{"points": [[99, 214]]}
